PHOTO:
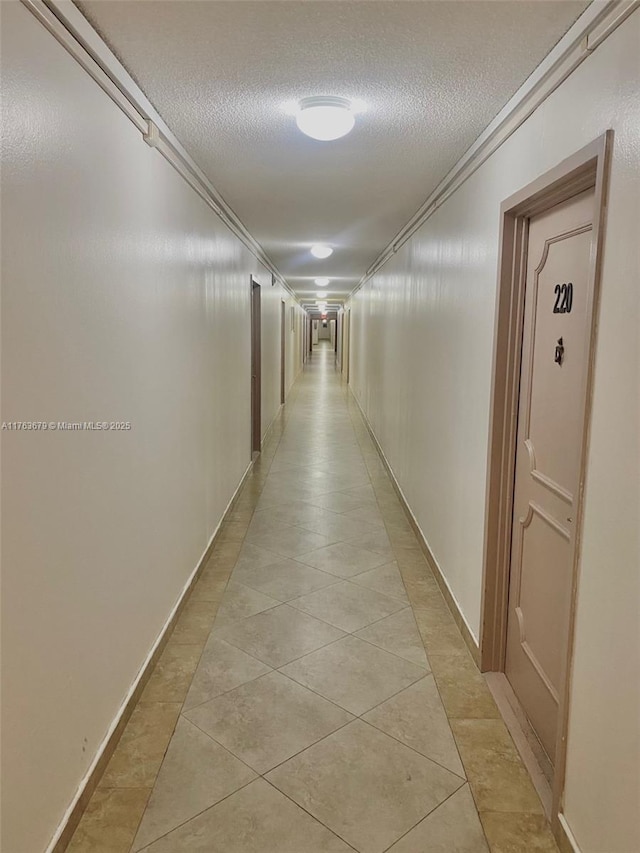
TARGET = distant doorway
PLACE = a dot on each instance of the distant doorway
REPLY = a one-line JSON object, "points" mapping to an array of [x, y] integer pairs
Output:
{"points": [[346, 353], [256, 371], [282, 350]]}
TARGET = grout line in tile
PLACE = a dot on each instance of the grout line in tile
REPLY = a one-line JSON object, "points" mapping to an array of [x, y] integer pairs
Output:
{"points": [[193, 817], [393, 737], [312, 816], [453, 793]]}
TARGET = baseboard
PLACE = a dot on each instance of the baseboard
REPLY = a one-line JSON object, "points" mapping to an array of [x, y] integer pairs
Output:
{"points": [[269, 429], [452, 604], [91, 780], [565, 838]]}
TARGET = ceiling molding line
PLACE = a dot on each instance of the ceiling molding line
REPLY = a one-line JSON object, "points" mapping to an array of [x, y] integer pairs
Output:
{"points": [[591, 29], [72, 30]]}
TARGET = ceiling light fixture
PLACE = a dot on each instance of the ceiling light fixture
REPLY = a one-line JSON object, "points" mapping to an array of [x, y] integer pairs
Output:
{"points": [[325, 117], [322, 282], [321, 251]]}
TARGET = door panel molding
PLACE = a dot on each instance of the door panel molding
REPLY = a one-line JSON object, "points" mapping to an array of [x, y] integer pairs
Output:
{"points": [[550, 484], [586, 169]]}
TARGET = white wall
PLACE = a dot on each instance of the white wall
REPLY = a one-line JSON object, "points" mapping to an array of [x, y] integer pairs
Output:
{"points": [[422, 335], [123, 298]]}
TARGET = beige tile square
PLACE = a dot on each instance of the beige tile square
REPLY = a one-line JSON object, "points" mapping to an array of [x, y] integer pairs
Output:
{"points": [[138, 756], [354, 674], [297, 513], [398, 635], [222, 667], [394, 515], [336, 501], [232, 531], [240, 601], [453, 827], [110, 821], [401, 536], [241, 512], [172, 674], [443, 639], [385, 579], [210, 586], [464, 691], [366, 787], [432, 612], [370, 514], [342, 560], [348, 606], [343, 482], [288, 541], [376, 540], [254, 557], [225, 551], [365, 494], [256, 819], [416, 717], [425, 595], [195, 774], [338, 528], [495, 771], [268, 720], [272, 495], [412, 559], [279, 635], [284, 580], [194, 623], [218, 567], [517, 833]]}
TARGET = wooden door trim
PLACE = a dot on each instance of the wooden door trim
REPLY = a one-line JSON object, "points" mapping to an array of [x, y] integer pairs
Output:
{"points": [[587, 168], [348, 366], [256, 365]]}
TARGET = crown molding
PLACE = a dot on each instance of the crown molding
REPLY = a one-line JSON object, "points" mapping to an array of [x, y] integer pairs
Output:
{"points": [[72, 30]]}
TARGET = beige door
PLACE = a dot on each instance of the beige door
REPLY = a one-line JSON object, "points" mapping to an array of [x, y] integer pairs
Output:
{"points": [[551, 421]]}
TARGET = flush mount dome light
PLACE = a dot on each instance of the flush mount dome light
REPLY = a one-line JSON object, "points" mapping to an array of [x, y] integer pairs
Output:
{"points": [[322, 282], [321, 251], [325, 117]]}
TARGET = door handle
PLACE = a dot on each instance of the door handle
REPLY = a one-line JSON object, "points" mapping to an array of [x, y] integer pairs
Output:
{"points": [[559, 356]]}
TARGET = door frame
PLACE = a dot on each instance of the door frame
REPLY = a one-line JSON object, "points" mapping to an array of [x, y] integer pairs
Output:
{"points": [[587, 168], [283, 326], [256, 366], [348, 347]]}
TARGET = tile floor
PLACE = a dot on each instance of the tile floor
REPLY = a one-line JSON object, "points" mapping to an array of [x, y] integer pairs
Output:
{"points": [[316, 695]]}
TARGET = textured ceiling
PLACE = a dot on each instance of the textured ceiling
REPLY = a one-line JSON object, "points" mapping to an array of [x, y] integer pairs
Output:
{"points": [[432, 74]]}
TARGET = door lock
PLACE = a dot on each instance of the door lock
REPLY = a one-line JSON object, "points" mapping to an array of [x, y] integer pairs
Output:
{"points": [[559, 356]]}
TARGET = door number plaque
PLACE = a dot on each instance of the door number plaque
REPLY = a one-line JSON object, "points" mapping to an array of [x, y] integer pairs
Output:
{"points": [[564, 298]]}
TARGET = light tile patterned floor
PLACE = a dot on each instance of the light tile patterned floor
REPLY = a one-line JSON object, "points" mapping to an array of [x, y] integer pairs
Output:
{"points": [[294, 709]]}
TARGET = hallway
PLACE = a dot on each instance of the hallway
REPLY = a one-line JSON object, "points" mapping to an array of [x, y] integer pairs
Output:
{"points": [[312, 718], [383, 596]]}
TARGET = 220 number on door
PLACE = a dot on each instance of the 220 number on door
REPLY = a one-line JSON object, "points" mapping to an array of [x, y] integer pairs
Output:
{"points": [[564, 298]]}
